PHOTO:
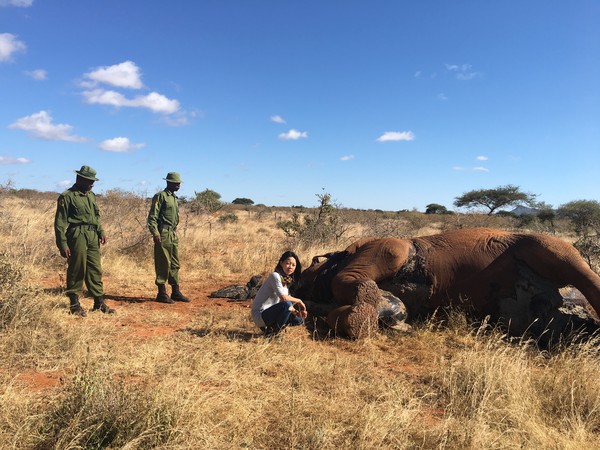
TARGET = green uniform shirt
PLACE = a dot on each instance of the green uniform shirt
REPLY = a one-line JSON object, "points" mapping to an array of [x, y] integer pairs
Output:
{"points": [[75, 208], [164, 212]]}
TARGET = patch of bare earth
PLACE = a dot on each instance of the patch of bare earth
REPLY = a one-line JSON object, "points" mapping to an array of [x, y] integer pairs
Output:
{"points": [[136, 316]]}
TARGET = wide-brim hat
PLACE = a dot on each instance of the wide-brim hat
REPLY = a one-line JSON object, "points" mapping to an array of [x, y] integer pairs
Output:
{"points": [[173, 177], [87, 172]]}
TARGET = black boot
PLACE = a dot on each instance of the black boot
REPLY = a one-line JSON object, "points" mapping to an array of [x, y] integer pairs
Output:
{"points": [[100, 305], [177, 295], [162, 295], [74, 307]]}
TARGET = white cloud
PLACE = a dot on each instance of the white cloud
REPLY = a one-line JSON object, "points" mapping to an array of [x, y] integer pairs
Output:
{"points": [[9, 44], [17, 3], [156, 102], [182, 118], [277, 119], [482, 158], [396, 136], [124, 75], [119, 145], [463, 72], [153, 101], [442, 97], [37, 74], [293, 135], [178, 120], [9, 160], [347, 158], [417, 74], [64, 184], [476, 169], [40, 125], [102, 97]]}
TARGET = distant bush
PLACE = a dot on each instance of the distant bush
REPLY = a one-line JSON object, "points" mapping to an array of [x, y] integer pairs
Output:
{"points": [[589, 248], [434, 208], [583, 214], [206, 202], [323, 226], [243, 201], [228, 218], [123, 216]]}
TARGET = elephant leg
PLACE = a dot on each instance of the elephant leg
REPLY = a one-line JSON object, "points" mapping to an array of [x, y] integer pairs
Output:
{"points": [[530, 308], [354, 291], [318, 309], [556, 260], [354, 321], [539, 310], [358, 317]]}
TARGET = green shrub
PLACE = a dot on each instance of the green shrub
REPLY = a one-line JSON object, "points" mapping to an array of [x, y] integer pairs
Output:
{"points": [[323, 226], [228, 218]]}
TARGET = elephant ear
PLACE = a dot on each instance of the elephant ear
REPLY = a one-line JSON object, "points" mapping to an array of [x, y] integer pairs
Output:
{"points": [[317, 285]]}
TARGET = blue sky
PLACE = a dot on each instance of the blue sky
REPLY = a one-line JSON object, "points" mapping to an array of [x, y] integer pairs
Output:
{"points": [[385, 104]]}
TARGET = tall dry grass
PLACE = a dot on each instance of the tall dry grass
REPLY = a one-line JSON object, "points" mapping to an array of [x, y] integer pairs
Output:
{"points": [[209, 380]]}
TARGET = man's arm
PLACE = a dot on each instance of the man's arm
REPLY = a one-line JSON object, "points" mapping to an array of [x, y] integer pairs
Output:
{"points": [[60, 226], [101, 235], [152, 221]]}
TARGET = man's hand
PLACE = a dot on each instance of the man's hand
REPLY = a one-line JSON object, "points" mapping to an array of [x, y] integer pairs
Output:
{"points": [[102, 240], [66, 253], [156, 238]]}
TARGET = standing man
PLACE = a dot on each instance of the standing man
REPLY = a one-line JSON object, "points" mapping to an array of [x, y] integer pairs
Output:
{"points": [[78, 237], [162, 223]]}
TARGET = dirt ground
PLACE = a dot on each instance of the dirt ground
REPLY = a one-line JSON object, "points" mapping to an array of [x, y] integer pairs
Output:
{"points": [[136, 316]]}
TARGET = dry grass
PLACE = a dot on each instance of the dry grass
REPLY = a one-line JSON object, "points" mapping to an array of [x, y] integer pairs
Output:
{"points": [[204, 378]]}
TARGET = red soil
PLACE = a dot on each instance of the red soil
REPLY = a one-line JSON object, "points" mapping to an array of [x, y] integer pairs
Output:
{"points": [[138, 324]]}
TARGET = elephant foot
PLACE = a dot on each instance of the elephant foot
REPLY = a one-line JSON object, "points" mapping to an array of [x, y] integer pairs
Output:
{"points": [[354, 321], [368, 292]]}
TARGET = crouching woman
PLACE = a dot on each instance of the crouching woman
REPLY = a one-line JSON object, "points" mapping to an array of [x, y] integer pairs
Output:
{"points": [[274, 308]]}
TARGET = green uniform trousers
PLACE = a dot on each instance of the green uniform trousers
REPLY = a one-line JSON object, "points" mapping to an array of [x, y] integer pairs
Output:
{"points": [[166, 257], [84, 263]]}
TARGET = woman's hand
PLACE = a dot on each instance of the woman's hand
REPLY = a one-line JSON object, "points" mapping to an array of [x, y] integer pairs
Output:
{"points": [[301, 309]]}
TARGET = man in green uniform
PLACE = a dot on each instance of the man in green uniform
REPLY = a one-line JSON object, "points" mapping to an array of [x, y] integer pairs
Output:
{"points": [[78, 238], [162, 223]]}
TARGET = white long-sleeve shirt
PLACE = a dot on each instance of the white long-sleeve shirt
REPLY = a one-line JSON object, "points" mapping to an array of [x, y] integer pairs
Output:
{"points": [[269, 294]]}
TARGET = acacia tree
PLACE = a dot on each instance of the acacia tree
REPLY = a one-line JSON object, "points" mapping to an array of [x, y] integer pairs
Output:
{"points": [[492, 199]]}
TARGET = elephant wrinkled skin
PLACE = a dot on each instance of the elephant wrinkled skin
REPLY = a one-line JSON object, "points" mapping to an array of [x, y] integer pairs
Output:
{"points": [[512, 277]]}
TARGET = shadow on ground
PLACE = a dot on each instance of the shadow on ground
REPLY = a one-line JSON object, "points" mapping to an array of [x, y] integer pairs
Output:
{"points": [[127, 299], [232, 335]]}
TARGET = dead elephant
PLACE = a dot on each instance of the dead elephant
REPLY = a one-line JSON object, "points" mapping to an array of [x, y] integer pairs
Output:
{"points": [[513, 278]]}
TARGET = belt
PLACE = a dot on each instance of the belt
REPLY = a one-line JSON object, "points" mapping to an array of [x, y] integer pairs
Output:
{"points": [[86, 226], [167, 227]]}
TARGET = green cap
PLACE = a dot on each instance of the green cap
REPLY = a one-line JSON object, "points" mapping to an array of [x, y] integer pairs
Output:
{"points": [[87, 172], [173, 177]]}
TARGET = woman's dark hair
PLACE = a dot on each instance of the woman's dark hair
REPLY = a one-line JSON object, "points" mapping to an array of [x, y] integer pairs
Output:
{"points": [[286, 255]]}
